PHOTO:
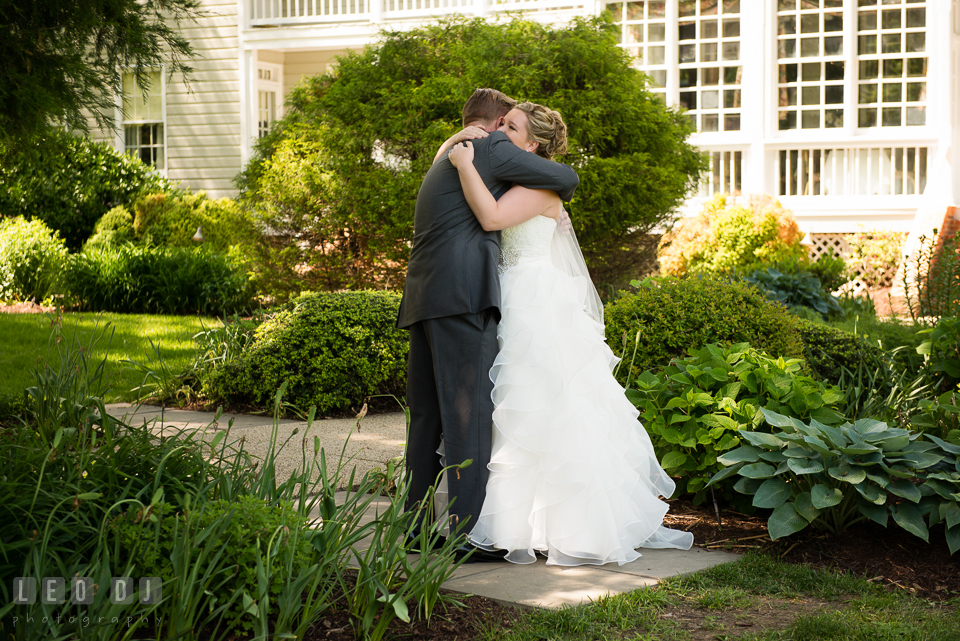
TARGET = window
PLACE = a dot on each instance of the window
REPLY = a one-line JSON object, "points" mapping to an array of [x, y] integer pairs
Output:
{"points": [[891, 47], [268, 88], [143, 134], [709, 52], [810, 59], [643, 33]]}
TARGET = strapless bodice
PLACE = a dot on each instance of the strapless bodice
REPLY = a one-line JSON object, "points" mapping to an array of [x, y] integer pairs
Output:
{"points": [[527, 241]]}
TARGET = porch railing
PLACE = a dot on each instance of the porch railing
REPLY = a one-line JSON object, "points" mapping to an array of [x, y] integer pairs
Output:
{"points": [[278, 13]]}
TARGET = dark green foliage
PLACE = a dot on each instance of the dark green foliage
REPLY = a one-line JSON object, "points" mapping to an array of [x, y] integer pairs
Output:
{"points": [[833, 477], [341, 171], [152, 280], [333, 349], [830, 270], [251, 525], [828, 350], [667, 317], [69, 182], [62, 58], [696, 408], [941, 347], [877, 383], [798, 289], [939, 416], [32, 258]]}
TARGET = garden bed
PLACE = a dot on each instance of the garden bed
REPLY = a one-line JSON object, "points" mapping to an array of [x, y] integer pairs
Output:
{"points": [[890, 556]]}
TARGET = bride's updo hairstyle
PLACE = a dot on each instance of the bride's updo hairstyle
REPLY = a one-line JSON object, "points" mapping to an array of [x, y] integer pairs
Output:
{"points": [[545, 126]]}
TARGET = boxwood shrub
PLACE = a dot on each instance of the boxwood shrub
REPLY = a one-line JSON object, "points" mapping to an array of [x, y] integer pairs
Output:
{"points": [[668, 317], [333, 349], [32, 257]]}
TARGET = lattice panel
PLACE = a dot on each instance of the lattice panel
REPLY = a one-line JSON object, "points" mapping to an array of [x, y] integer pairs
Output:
{"points": [[828, 245], [836, 245]]}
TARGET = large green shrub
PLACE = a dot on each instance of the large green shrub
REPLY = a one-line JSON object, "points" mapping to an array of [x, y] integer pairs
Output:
{"points": [[172, 220], [157, 280], [667, 317], [32, 257], [333, 350], [69, 182], [340, 172], [728, 237], [697, 407]]}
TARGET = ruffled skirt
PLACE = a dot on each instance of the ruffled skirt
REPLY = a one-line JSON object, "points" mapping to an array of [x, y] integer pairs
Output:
{"points": [[573, 474]]}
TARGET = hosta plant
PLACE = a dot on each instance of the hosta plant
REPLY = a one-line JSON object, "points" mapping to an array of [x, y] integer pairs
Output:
{"points": [[697, 407], [832, 477]]}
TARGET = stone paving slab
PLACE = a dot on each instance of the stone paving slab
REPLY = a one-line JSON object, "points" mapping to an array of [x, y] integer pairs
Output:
{"points": [[380, 438], [538, 585]]}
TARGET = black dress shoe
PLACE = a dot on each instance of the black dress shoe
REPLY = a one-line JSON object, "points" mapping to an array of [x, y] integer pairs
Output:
{"points": [[473, 554]]}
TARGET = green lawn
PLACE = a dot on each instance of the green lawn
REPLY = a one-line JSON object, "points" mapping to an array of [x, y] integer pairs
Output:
{"points": [[26, 338], [754, 599]]}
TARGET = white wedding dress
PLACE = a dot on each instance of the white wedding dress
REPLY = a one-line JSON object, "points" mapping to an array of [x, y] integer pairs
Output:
{"points": [[573, 473]]}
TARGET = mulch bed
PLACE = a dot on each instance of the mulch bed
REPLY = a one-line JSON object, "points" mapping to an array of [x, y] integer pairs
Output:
{"points": [[888, 556], [25, 308]]}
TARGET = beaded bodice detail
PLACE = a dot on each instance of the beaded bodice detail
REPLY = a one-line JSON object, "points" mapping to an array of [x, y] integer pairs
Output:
{"points": [[527, 241]]}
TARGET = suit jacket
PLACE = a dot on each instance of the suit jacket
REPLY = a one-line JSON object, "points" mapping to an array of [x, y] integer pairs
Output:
{"points": [[453, 262]]}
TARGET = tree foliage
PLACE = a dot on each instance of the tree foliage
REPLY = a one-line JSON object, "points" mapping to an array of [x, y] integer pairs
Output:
{"points": [[341, 172], [61, 57]]}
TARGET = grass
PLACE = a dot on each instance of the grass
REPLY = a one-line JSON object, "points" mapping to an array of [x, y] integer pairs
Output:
{"points": [[754, 599], [26, 340]]}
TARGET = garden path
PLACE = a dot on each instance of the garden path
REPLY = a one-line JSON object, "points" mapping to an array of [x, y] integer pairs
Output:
{"points": [[380, 438]]}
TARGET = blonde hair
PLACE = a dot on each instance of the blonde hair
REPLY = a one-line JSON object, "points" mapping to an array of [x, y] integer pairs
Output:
{"points": [[545, 126]]}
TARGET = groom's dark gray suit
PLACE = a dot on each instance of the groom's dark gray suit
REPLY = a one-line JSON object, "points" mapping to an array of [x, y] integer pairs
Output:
{"points": [[451, 305]]}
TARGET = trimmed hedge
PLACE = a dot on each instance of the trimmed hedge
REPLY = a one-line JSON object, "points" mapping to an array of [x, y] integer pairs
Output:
{"points": [[828, 350], [334, 349], [677, 316], [150, 280]]}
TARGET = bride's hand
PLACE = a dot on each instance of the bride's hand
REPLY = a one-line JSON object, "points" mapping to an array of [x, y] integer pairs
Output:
{"points": [[461, 154], [469, 133]]}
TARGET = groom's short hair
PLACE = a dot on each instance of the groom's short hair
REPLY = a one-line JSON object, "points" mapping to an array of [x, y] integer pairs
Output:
{"points": [[486, 105]]}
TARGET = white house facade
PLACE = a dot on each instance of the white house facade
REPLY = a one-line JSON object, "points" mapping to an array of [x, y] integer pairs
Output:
{"points": [[846, 110]]}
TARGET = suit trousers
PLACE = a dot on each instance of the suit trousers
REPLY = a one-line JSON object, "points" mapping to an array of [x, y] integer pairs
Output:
{"points": [[449, 396]]}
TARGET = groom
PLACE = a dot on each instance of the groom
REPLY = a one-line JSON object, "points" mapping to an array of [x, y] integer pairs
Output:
{"points": [[451, 305]]}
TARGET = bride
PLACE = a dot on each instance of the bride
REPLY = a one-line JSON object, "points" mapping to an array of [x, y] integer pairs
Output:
{"points": [[573, 474]]}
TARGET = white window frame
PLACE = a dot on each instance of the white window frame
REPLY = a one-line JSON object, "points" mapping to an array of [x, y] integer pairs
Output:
{"points": [[269, 80], [121, 143]]}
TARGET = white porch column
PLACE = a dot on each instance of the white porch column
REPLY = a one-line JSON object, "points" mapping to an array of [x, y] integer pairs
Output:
{"points": [[376, 11], [755, 98], [248, 102], [482, 7]]}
